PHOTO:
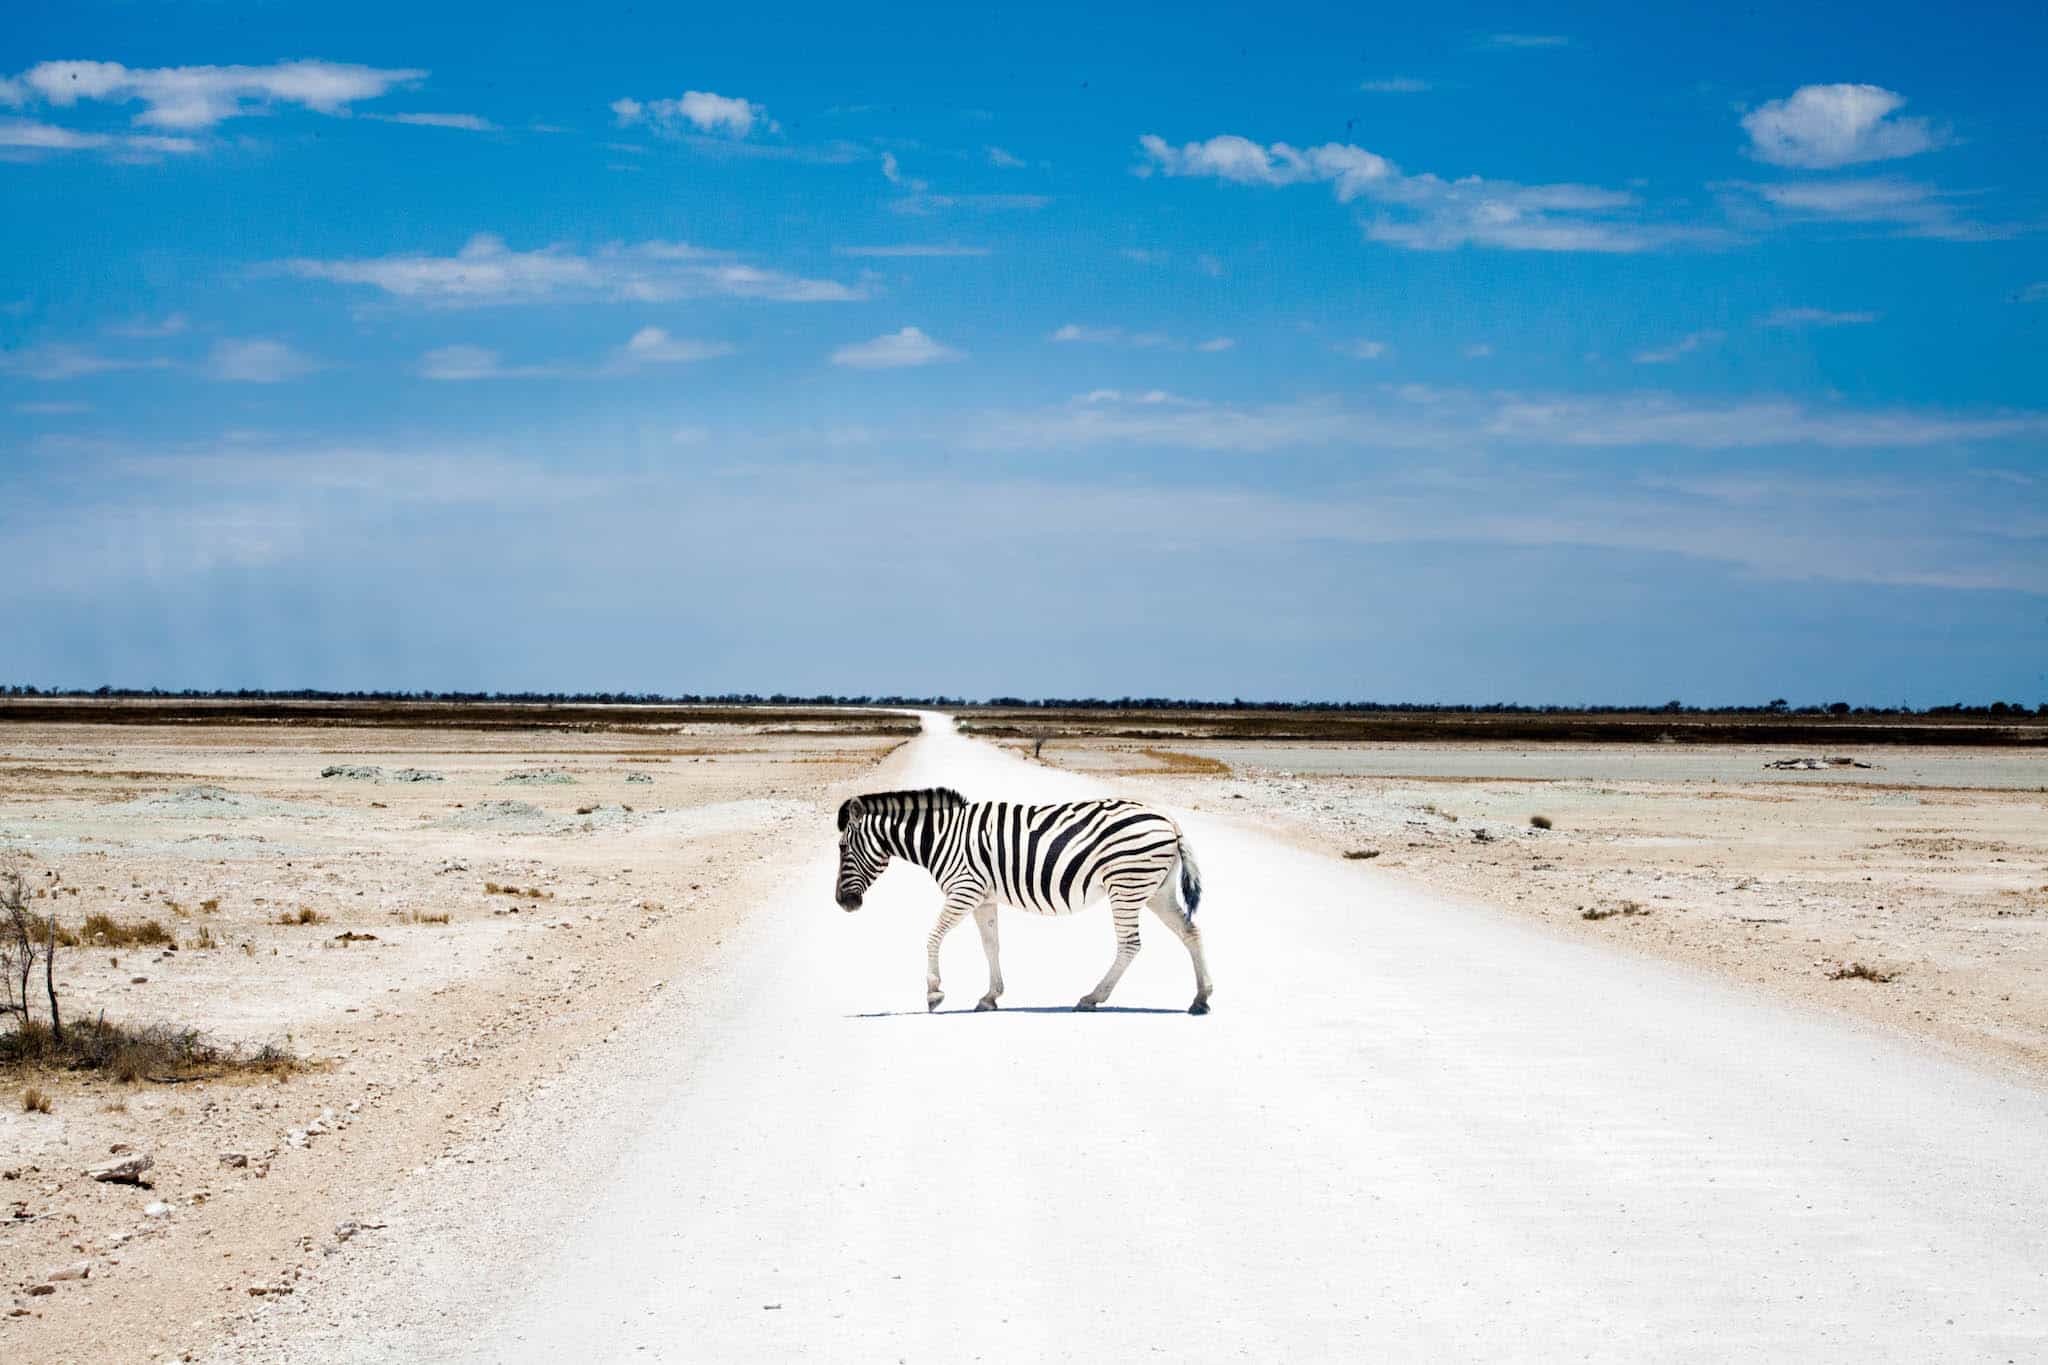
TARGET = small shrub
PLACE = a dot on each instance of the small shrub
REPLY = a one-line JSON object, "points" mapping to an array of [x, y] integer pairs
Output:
{"points": [[305, 914], [34, 1101], [114, 934], [1860, 971], [1539, 822], [1358, 854], [153, 1052], [210, 904], [422, 917]]}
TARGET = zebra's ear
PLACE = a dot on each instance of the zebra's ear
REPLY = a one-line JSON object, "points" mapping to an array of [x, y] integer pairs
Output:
{"points": [[850, 810]]}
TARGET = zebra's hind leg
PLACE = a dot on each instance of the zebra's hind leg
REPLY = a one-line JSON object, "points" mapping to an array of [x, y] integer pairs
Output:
{"points": [[1123, 910], [1166, 905], [956, 907], [985, 920]]}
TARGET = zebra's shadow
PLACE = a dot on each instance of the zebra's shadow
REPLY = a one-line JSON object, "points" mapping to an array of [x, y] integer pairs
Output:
{"points": [[1019, 1009]]}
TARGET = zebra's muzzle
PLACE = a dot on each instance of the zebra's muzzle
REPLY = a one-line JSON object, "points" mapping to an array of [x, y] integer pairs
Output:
{"points": [[849, 902]]}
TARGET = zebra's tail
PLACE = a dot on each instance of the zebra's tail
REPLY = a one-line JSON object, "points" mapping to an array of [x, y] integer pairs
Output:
{"points": [[1190, 880]]}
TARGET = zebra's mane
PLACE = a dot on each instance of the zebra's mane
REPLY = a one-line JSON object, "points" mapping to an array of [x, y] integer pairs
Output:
{"points": [[899, 803]]}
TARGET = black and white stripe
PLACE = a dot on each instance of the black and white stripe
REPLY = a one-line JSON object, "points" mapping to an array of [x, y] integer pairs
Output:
{"points": [[1049, 860]]}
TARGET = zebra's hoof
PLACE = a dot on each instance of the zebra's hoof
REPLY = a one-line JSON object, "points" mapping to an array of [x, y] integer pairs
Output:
{"points": [[931, 1002], [984, 1005], [1085, 1005], [1199, 1007]]}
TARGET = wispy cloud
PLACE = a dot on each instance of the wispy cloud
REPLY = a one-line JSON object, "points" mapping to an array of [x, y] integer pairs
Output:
{"points": [[486, 271], [1394, 85], [256, 360], [464, 363], [1812, 317], [2033, 293], [1426, 212], [469, 123], [698, 110], [23, 138], [62, 360], [1108, 336], [147, 329], [1361, 349], [1215, 345], [60, 409], [190, 98], [1684, 346], [1005, 160], [1819, 127], [1478, 350], [894, 350], [654, 346], [1908, 207], [922, 203], [913, 249], [1525, 41]]}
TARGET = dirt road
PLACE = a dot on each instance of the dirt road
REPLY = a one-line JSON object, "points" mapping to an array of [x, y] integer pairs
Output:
{"points": [[1411, 1127]]}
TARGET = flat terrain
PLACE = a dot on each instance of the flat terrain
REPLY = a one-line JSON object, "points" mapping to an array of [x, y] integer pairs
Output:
{"points": [[655, 1097], [1412, 1128], [1930, 863], [446, 919]]}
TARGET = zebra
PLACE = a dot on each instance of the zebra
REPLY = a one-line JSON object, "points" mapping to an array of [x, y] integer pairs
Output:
{"points": [[1049, 860]]}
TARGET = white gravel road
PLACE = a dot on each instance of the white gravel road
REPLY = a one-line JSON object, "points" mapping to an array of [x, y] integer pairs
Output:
{"points": [[1411, 1128]]}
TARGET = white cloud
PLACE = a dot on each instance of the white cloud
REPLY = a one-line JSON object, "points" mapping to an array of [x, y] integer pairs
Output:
{"points": [[998, 157], [1684, 346], [486, 271], [145, 329], [2033, 293], [924, 203], [1425, 212], [1478, 350], [912, 249], [894, 350], [61, 360], [469, 123], [1394, 85], [256, 361], [698, 110], [1822, 126], [188, 98], [23, 138], [1361, 350], [1916, 210], [1215, 344], [1812, 317], [463, 363], [1104, 336], [1526, 40], [653, 346]]}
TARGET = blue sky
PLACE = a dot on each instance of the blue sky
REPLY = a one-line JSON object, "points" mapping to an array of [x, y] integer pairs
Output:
{"points": [[1466, 354]]}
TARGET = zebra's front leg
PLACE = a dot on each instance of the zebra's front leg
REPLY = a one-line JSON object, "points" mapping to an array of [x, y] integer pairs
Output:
{"points": [[956, 906], [1124, 914], [985, 920]]}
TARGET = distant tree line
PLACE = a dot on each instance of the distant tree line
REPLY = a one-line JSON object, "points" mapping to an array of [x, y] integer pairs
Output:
{"points": [[1996, 710]]}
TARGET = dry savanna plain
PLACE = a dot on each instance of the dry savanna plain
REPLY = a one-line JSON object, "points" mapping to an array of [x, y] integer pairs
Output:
{"points": [[391, 923], [406, 916]]}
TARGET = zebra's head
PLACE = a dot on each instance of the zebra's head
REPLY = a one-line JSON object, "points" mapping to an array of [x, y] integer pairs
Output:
{"points": [[861, 854]]}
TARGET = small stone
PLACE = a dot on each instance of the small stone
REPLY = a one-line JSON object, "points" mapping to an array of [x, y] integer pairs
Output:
{"points": [[125, 1170], [156, 1210], [39, 1289], [234, 1159], [138, 981], [295, 1138], [77, 1270]]}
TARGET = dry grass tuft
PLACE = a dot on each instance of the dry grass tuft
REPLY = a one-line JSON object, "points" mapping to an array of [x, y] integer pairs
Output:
{"points": [[1539, 822], [210, 904], [203, 939], [34, 1101], [531, 892], [423, 917], [1358, 854], [1598, 912], [153, 1052], [305, 914], [98, 928], [1860, 971]]}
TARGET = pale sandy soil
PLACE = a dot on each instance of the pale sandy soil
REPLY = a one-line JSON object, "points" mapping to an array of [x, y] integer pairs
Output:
{"points": [[418, 1035], [1932, 863]]}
